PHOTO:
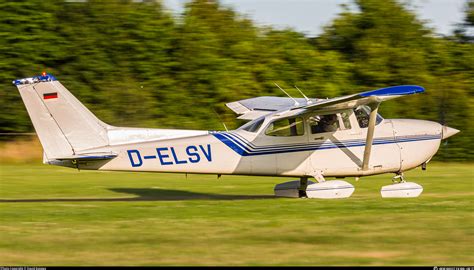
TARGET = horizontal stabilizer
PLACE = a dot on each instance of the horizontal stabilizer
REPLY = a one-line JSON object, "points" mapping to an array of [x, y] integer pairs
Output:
{"points": [[89, 157]]}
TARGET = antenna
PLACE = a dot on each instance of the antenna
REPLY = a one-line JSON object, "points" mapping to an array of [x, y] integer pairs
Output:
{"points": [[220, 120], [308, 101], [296, 102]]}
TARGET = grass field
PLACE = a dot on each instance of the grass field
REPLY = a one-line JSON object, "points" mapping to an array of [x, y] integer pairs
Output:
{"points": [[59, 216]]}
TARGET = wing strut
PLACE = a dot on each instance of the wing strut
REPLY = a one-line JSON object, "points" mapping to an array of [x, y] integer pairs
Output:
{"points": [[370, 135]]}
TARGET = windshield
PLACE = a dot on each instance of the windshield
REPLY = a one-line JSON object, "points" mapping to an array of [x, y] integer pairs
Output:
{"points": [[362, 113]]}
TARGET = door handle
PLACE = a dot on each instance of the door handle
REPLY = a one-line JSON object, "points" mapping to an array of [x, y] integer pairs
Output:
{"points": [[319, 138]]}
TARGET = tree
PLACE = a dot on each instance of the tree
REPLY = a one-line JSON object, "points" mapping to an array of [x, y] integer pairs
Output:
{"points": [[134, 64]]}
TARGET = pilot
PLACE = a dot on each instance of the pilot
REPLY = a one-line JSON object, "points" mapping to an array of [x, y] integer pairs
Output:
{"points": [[362, 117], [314, 122], [330, 123]]}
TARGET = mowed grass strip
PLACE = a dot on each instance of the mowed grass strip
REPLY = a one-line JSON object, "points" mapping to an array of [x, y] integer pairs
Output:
{"points": [[59, 216]]}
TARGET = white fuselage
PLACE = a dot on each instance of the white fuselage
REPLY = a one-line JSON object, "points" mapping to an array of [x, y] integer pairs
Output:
{"points": [[398, 145], [336, 137]]}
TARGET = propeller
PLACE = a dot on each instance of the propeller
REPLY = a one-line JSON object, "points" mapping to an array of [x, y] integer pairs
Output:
{"points": [[446, 131]]}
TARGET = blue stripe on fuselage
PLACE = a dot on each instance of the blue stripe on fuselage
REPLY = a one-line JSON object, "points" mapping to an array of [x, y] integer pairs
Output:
{"points": [[244, 147]]}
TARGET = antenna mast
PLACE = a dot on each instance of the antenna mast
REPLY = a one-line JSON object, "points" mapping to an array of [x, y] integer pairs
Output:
{"points": [[308, 101], [296, 102], [220, 120]]}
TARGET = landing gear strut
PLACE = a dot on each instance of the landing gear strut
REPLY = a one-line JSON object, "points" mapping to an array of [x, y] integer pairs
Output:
{"points": [[302, 187], [293, 189], [399, 178]]}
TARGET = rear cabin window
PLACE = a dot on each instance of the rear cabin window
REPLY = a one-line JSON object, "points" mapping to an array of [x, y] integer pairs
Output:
{"points": [[286, 127], [330, 122], [253, 126]]}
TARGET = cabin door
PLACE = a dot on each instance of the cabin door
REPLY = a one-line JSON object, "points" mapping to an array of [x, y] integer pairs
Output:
{"points": [[338, 140], [282, 148]]}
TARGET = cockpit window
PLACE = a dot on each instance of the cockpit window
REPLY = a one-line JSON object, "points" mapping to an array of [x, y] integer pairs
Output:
{"points": [[253, 126], [345, 116], [286, 127], [363, 115]]}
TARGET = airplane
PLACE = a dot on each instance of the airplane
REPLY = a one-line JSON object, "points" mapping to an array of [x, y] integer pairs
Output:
{"points": [[287, 137]]}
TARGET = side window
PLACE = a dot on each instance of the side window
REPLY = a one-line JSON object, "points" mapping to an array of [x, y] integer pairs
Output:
{"points": [[286, 127], [363, 115], [324, 123], [345, 119]]}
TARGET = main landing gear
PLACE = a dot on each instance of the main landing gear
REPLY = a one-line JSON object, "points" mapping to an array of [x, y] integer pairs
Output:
{"points": [[401, 189], [336, 189], [323, 189]]}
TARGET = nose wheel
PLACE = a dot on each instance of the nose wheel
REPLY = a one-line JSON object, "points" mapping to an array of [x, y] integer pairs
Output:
{"points": [[401, 189]]}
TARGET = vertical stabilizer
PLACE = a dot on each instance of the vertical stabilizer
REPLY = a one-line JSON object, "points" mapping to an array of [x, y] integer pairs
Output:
{"points": [[63, 124]]}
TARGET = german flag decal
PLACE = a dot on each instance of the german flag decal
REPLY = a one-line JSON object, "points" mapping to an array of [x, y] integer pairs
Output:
{"points": [[50, 95]]}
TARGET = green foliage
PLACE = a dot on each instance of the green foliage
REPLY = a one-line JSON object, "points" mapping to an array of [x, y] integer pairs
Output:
{"points": [[134, 64], [387, 45], [470, 12]]}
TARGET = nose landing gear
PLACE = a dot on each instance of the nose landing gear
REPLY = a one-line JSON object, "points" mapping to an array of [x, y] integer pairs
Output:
{"points": [[401, 189]]}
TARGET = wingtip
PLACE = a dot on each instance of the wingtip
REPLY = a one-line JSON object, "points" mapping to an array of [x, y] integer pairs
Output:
{"points": [[395, 91], [417, 88]]}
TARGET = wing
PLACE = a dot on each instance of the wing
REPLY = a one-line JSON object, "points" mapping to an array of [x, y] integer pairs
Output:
{"points": [[364, 98], [372, 99], [252, 108]]}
